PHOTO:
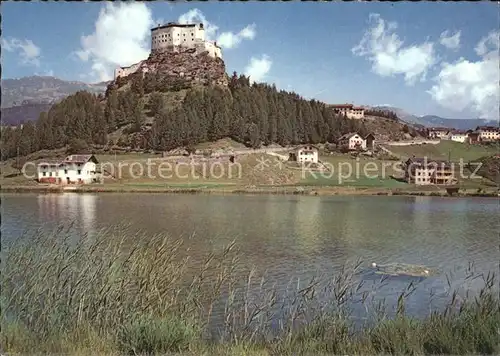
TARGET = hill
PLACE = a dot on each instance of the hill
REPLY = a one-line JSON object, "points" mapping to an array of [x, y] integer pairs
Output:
{"points": [[490, 168], [170, 116], [185, 98]]}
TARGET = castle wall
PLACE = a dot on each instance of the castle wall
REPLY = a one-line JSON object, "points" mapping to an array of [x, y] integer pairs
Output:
{"points": [[213, 50], [124, 71], [173, 37], [163, 37]]}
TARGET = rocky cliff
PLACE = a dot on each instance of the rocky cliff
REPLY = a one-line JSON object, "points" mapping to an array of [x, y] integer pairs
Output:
{"points": [[187, 66]]}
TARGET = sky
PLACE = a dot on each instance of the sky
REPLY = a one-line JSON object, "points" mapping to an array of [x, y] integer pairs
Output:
{"points": [[439, 58]]}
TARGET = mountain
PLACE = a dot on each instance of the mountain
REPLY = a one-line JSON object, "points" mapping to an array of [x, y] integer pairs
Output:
{"points": [[25, 98], [438, 121], [402, 114], [461, 124], [16, 115], [42, 90]]}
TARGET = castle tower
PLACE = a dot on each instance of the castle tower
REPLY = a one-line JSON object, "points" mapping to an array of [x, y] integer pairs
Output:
{"points": [[174, 35]]}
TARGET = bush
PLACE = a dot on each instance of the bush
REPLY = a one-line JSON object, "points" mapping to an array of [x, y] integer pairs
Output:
{"points": [[148, 335]]}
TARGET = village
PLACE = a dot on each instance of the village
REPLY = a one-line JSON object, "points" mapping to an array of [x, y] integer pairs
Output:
{"points": [[86, 169]]}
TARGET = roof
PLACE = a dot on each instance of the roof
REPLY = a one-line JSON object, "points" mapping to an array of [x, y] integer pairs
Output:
{"points": [[174, 24], [346, 106], [80, 158], [439, 129], [488, 128], [348, 135], [306, 146], [50, 163], [458, 132], [370, 134], [69, 159], [358, 108]]}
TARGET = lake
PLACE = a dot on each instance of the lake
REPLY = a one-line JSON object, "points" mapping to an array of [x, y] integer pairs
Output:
{"points": [[293, 236]]}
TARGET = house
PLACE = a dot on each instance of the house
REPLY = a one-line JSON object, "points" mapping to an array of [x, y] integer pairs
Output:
{"points": [[304, 154], [352, 141], [74, 169], [473, 137], [48, 172], [421, 171], [439, 132], [458, 136], [488, 133], [349, 110], [370, 141]]}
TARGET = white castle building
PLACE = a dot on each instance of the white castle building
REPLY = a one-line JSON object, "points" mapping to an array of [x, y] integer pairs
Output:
{"points": [[172, 37]]}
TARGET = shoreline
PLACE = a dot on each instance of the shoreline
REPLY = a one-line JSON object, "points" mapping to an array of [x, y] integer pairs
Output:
{"points": [[280, 190]]}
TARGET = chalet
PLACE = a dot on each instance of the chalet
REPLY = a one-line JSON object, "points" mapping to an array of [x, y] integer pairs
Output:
{"points": [[304, 154], [349, 110], [488, 133], [458, 136], [473, 137], [421, 171], [74, 169], [370, 141], [439, 132], [352, 141], [48, 172]]}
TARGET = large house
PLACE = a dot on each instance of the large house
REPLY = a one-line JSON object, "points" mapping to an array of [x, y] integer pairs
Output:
{"points": [[349, 110], [304, 154], [74, 169], [352, 141], [458, 136], [488, 133], [439, 132], [421, 171]]}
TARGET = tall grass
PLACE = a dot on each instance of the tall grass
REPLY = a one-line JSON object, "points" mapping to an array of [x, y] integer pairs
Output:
{"points": [[114, 292]]}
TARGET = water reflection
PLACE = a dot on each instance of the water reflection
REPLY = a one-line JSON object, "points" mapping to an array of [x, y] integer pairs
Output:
{"points": [[291, 236], [68, 208]]}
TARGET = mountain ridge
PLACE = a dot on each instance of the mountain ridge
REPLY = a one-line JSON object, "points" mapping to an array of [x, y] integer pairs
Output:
{"points": [[438, 121]]}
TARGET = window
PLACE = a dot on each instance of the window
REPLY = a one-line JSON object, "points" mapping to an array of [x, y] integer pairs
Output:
{"points": [[65, 171], [79, 172], [50, 174], [44, 174]]}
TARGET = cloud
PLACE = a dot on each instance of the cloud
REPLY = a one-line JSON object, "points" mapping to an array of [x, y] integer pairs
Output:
{"points": [[226, 39], [258, 68], [472, 85], [121, 37], [231, 40], [27, 50], [383, 48], [450, 41]]}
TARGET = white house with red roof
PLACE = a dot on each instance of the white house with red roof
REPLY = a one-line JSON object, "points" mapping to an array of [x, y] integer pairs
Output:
{"points": [[349, 110], [74, 169]]}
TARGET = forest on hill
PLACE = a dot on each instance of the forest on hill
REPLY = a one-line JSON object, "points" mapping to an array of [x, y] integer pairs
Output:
{"points": [[253, 114]]}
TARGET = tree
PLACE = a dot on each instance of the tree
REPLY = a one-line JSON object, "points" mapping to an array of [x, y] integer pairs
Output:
{"points": [[77, 146], [19, 163]]}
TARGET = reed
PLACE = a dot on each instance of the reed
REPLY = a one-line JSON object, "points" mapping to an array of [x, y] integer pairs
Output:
{"points": [[115, 292]]}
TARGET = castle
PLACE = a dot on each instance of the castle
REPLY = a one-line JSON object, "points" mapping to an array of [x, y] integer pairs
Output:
{"points": [[173, 37]]}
